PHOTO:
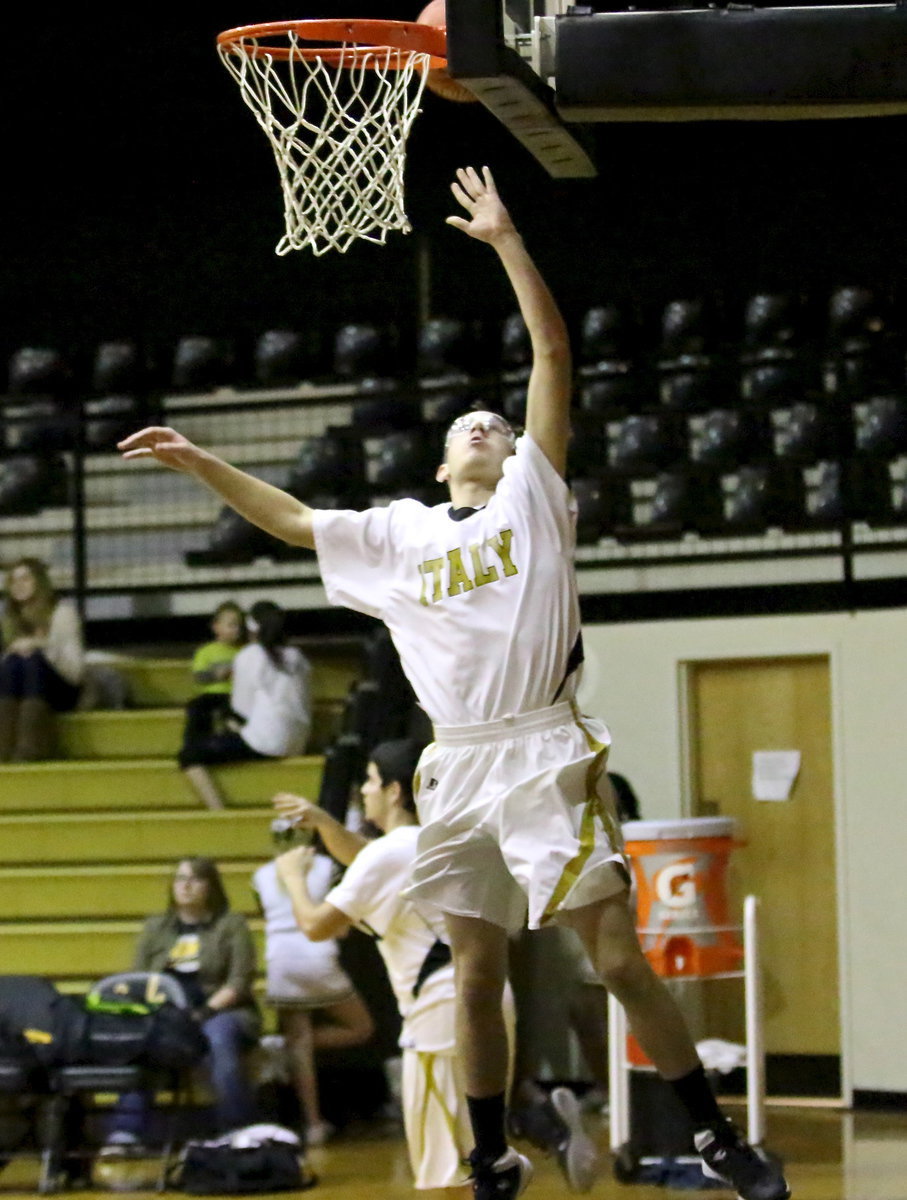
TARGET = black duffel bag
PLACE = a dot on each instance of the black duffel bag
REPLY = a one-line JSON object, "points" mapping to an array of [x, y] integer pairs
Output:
{"points": [[168, 1037], [137, 1017], [40, 1025], [223, 1168]]}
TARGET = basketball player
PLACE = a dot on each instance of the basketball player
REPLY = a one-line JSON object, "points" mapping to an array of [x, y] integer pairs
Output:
{"points": [[413, 948], [480, 598]]}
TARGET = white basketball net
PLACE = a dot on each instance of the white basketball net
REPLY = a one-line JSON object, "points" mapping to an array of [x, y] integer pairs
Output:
{"points": [[338, 130]]}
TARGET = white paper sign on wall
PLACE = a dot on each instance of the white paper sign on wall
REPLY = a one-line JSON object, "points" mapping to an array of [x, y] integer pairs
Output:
{"points": [[774, 772]]}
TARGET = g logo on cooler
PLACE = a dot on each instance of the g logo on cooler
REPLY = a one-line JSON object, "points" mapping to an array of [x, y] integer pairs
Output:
{"points": [[675, 885]]}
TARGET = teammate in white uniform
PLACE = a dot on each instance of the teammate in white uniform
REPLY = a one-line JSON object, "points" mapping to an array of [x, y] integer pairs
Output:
{"points": [[480, 599], [418, 960]]}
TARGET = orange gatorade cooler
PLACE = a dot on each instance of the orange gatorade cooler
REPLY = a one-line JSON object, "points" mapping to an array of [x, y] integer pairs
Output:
{"points": [[680, 872]]}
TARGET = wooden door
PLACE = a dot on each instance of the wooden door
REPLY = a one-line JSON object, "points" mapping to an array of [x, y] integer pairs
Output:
{"points": [[737, 707]]}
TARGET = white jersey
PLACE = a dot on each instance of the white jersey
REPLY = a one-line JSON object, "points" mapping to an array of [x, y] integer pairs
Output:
{"points": [[483, 610], [274, 703], [276, 904], [282, 933], [299, 971], [370, 896]]}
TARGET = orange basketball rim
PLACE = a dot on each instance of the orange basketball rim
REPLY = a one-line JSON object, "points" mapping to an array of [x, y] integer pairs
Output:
{"points": [[336, 99]]}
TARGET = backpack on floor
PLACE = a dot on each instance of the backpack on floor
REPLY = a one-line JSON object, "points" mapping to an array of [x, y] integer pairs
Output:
{"points": [[260, 1158]]}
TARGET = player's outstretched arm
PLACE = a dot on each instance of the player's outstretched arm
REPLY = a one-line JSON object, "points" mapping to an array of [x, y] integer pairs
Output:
{"points": [[341, 843], [266, 506], [551, 380]]}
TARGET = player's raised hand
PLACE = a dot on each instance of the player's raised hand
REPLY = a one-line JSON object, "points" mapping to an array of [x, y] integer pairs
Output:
{"points": [[162, 443], [303, 813], [297, 861], [488, 218]]}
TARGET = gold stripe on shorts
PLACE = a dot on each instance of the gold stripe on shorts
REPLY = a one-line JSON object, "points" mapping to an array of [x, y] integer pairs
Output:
{"points": [[427, 1061], [594, 807]]}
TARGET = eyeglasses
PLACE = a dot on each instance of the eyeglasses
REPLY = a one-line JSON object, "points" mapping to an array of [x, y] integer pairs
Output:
{"points": [[490, 422]]}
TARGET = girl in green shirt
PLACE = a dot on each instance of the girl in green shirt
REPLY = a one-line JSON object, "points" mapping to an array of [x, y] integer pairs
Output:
{"points": [[212, 673]]}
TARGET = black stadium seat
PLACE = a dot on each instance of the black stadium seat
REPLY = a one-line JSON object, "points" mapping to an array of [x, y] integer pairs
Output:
{"points": [[880, 426], [726, 437], [690, 383], [804, 433], [773, 319], [39, 371], [445, 345], [610, 388], [756, 498], [202, 363], [285, 357], [118, 369], [362, 350], [405, 459], [643, 442], [331, 463], [607, 333]]}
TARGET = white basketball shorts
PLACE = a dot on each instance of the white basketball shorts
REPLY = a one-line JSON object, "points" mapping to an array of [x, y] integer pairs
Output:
{"points": [[517, 818]]}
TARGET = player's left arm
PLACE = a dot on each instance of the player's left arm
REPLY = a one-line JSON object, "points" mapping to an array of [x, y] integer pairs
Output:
{"points": [[551, 379], [317, 921]]}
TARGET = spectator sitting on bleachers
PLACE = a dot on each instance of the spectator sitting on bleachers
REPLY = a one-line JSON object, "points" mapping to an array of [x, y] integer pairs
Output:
{"points": [[212, 674], [42, 664], [209, 950], [270, 701]]}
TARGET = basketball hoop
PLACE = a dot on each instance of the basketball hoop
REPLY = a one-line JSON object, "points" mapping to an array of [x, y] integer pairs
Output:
{"points": [[337, 115]]}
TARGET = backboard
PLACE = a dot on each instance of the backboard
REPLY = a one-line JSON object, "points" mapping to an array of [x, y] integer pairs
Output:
{"points": [[546, 68]]}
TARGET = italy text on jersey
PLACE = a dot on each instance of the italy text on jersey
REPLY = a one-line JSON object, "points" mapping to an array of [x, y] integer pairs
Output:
{"points": [[448, 575]]}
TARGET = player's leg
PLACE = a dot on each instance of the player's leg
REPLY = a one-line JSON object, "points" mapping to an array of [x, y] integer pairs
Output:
{"points": [[202, 783], [296, 1027], [608, 932], [479, 950], [609, 935], [552, 1122], [343, 1024]]}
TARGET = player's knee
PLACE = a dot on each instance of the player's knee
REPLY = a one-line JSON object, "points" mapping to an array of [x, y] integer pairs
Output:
{"points": [[622, 968]]}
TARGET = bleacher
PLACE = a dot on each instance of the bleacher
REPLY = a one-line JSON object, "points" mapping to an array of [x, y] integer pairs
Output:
{"points": [[88, 844]]}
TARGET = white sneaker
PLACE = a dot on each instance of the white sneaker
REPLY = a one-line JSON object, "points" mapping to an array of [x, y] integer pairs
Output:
{"points": [[120, 1144], [504, 1179], [578, 1156]]}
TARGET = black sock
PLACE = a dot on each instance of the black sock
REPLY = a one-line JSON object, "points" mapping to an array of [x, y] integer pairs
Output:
{"points": [[486, 1115], [695, 1093]]}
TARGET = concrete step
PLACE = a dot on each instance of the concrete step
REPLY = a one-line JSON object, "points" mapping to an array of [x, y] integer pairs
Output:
{"points": [[117, 892], [66, 839], [158, 732], [168, 681], [151, 783], [76, 949]]}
